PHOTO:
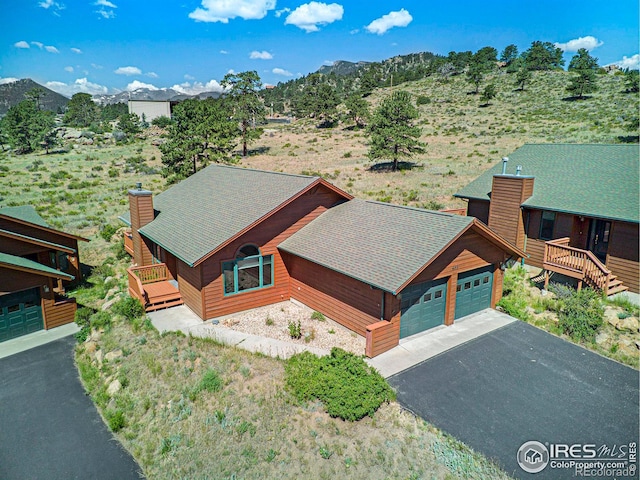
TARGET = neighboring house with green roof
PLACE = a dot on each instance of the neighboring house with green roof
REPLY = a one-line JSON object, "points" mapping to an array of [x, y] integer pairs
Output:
{"points": [[37, 264], [229, 239], [587, 195]]}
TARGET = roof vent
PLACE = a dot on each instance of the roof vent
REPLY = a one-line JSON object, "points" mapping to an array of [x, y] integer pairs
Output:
{"points": [[139, 185], [518, 170], [504, 165]]}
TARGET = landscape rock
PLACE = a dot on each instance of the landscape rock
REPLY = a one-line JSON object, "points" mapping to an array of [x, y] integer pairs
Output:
{"points": [[99, 357], [90, 347], [109, 303], [637, 344], [111, 356], [602, 338], [114, 387], [71, 134], [629, 324], [611, 316]]}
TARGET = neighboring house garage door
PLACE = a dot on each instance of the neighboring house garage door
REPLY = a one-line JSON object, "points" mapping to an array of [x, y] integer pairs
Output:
{"points": [[423, 307], [20, 313], [473, 291]]}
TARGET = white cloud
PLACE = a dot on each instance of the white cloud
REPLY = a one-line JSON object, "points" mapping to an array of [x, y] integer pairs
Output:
{"points": [[151, 74], [386, 22], [231, 71], [632, 62], [76, 50], [68, 69], [188, 77], [282, 71], [196, 88], [46, 4], [280, 12], [21, 44], [128, 71], [51, 49], [135, 85], [263, 55], [310, 15], [40, 45], [224, 52], [328, 63], [354, 31], [106, 14], [96, 66], [81, 85], [105, 3], [8, 80], [223, 10], [576, 44]]}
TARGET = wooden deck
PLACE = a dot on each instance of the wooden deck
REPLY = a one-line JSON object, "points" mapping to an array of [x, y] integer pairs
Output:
{"points": [[580, 264], [152, 286]]}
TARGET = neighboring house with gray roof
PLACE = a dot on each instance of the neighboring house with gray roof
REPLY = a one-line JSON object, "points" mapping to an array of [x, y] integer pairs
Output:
{"points": [[583, 197], [232, 239], [37, 264]]}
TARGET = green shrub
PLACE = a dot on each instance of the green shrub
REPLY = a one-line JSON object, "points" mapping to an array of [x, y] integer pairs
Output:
{"points": [[295, 329], [211, 382], [581, 315], [116, 420], [101, 319], [162, 121], [515, 305], [317, 316], [107, 231], [83, 320], [129, 307], [349, 388], [422, 100]]}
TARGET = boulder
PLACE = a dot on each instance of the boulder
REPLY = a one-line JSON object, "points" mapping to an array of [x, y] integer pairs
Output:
{"points": [[111, 356], [629, 324], [611, 316], [99, 357], [109, 303], [602, 338], [90, 346], [72, 133], [114, 387]]}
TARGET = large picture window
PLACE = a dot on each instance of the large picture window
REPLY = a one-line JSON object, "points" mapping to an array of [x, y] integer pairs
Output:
{"points": [[248, 271], [546, 225]]}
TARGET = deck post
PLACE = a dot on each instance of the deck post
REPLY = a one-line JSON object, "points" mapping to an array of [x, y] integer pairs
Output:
{"points": [[579, 285], [546, 279]]}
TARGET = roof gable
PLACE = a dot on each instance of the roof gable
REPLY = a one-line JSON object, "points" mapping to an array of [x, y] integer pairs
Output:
{"points": [[380, 244], [204, 212], [26, 213], [590, 180], [18, 263]]}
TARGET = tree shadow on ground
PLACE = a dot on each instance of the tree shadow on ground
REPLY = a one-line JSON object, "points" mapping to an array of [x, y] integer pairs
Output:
{"points": [[388, 167], [261, 150], [576, 99]]}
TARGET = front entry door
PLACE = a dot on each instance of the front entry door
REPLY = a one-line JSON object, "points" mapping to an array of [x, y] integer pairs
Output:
{"points": [[599, 238]]}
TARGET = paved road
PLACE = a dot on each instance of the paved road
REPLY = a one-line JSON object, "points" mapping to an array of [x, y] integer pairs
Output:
{"points": [[49, 428], [518, 384]]}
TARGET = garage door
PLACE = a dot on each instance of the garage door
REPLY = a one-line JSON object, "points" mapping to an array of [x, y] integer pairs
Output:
{"points": [[423, 307], [473, 291], [20, 313]]}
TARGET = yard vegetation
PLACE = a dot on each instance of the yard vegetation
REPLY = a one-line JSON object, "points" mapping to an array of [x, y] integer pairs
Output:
{"points": [[192, 408]]}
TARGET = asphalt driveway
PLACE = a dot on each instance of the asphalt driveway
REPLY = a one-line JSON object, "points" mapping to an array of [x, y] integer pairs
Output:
{"points": [[49, 428], [519, 384]]}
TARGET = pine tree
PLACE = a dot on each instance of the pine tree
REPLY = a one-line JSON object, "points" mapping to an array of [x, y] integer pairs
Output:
{"points": [[584, 66]]}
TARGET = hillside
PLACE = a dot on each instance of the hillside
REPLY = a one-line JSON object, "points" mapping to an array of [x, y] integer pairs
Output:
{"points": [[13, 93]]}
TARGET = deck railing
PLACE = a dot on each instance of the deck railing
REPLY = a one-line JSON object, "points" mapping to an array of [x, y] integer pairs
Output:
{"points": [[577, 263], [151, 273], [128, 242]]}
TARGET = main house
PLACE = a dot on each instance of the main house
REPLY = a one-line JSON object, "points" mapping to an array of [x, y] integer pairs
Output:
{"points": [[37, 264], [572, 208], [230, 239]]}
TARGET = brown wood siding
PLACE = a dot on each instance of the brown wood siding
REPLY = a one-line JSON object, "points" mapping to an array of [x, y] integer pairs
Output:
{"points": [[624, 241], [505, 215], [58, 312], [343, 299], [189, 286], [19, 248], [628, 271], [15, 280], [579, 233], [563, 226], [498, 279], [267, 236], [535, 250], [141, 210], [32, 231], [479, 209]]}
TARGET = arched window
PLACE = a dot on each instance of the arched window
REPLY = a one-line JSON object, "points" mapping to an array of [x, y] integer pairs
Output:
{"points": [[249, 271]]}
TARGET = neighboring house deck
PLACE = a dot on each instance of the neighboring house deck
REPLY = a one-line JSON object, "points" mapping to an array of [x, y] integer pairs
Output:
{"points": [[573, 209], [37, 265], [233, 239]]}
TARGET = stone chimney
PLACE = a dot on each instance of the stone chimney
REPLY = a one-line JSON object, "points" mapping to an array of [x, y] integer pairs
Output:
{"points": [[141, 210], [508, 192]]}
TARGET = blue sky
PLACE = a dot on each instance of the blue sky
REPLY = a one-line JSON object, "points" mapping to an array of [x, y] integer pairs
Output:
{"points": [[105, 46]]}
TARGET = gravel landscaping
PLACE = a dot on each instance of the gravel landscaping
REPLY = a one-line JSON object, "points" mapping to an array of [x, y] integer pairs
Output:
{"points": [[273, 321]]}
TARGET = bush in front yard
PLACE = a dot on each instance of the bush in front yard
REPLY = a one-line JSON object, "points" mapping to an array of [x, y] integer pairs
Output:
{"points": [[349, 388], [129, 307], [581, 314]]}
